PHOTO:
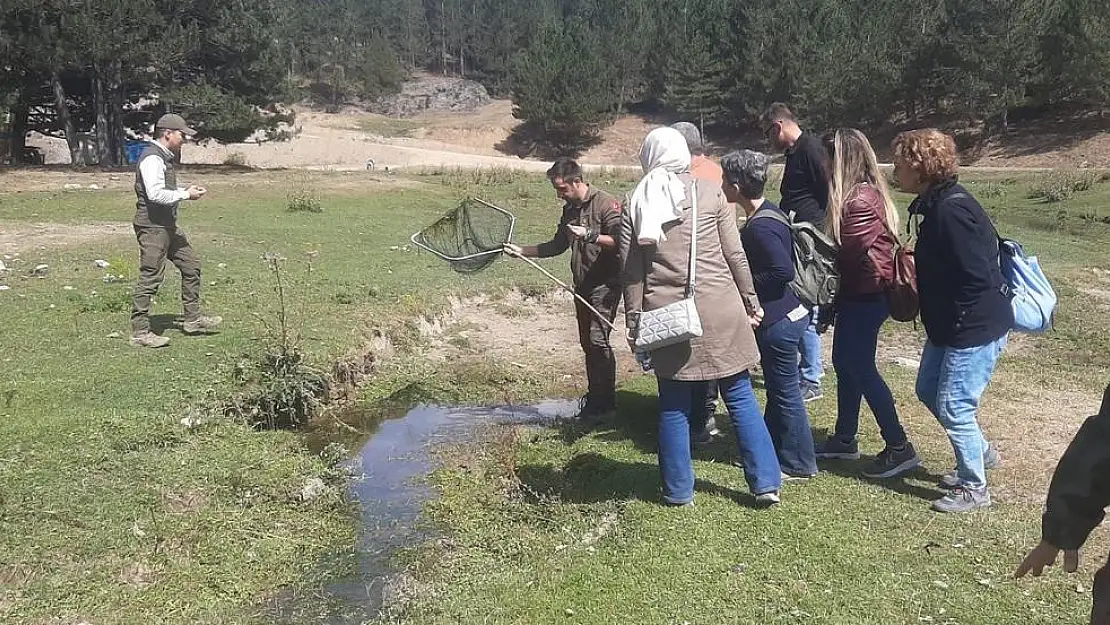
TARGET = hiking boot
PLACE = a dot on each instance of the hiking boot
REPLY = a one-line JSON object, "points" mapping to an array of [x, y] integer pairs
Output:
{"points": [[836, 449], [593, 411], [149, 339], [991, 460], [768, 499], [893, 461], [811, 392], [961, 500], [201, 325]]}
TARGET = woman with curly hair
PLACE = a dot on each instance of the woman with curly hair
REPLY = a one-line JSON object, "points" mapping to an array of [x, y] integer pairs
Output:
{"points": [[965, 306]]}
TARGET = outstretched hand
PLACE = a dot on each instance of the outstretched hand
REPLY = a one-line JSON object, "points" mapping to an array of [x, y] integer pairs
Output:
{"points": [[1044, 555]]}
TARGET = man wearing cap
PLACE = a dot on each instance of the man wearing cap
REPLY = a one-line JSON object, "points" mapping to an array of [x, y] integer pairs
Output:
{"points": [[160, 238]]}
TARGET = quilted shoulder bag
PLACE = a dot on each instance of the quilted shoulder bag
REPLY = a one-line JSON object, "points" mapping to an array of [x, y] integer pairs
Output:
{"points": [[678, 322]]}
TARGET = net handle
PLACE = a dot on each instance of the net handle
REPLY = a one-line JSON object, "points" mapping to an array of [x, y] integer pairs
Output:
{"points": [[602, 318], [415, 238]]}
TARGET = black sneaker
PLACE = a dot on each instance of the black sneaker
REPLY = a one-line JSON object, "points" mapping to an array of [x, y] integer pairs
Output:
{"points": [[891, 462], [836, 449], [811, 392]]}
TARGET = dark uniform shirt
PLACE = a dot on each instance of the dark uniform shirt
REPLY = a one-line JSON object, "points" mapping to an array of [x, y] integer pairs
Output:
{"points": [[591, 265]]}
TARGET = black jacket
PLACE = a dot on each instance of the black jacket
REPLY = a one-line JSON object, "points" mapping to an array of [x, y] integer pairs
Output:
{"points": [[1080, 489], [805, 181], [965, 301]]}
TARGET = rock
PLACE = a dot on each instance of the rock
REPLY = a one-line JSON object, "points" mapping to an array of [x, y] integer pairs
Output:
{"points": [[434, 93], [67, 288], [72, 185], [94, 187], [40, 271], [103, 264], [4, 287], [908, 363], [222, 265], [313, 488], [114, 335]]}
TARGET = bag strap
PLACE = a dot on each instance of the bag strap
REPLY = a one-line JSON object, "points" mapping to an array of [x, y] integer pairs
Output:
{"points": [[773, 214], [693, 262]]}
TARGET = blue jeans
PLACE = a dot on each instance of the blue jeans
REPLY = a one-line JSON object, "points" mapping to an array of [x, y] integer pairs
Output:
{"points": [[677, 402], [950, 383], [857, 376], [810, 349], [786, 416]]}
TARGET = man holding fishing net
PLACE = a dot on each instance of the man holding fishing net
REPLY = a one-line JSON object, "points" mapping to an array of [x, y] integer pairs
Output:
{"points": [[589, 227]]}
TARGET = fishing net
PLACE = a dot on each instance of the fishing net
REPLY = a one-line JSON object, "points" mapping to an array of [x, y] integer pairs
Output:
{"points": [[470, 237]]}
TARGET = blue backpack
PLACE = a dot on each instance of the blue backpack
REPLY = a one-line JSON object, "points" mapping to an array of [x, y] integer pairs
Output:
{"points": [[1031, 294], [1032, 297]]}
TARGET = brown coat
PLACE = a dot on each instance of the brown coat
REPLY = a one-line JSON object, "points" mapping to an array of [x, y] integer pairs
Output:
{"points": [[654, 276]]}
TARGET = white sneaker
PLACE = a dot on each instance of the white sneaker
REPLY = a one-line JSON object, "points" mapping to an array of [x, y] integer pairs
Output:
{"points": [[768, 499]]}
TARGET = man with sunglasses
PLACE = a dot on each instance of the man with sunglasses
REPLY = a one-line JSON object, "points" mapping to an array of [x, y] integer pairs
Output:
{"points": [[159, 237], [805, 192]]}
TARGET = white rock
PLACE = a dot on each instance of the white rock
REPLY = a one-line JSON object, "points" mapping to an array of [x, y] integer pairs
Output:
{"points": [[4, 287], [312, 489], [67, 288], [908, 363], [103, 264], [94, 187], [40, 270], [72, 185], [222, 265], [114, 335]]}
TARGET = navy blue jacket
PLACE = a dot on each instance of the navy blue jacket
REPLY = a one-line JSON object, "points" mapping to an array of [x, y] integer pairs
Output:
{"points": [[965, 301], [769, 248]]}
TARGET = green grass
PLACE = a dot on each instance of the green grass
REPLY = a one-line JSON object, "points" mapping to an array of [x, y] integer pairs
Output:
{"points": [[565, 526], [92, 454], [112, 512]]}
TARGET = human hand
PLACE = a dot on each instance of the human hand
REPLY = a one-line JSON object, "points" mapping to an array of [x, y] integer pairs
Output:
{"points": [[756, 318], [1044, 555], [195, 192], [513, 250], [577, 231]]}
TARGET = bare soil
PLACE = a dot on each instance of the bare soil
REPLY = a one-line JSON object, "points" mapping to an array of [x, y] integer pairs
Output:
{"points": [[439, 139], [20, 238]]}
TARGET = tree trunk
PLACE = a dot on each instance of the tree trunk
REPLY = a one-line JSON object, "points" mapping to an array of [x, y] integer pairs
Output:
{"points": [[20, 110], [118, 134], [62, 108], [103, 128]]}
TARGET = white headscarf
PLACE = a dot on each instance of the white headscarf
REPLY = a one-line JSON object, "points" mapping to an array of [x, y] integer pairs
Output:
{"points": [[657, 197]]}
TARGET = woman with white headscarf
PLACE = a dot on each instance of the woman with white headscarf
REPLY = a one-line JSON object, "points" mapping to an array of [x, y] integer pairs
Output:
{"points": [[655, 249]]}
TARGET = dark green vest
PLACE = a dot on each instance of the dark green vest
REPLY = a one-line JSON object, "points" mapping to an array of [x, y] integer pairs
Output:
{"points": [[147, 212]]}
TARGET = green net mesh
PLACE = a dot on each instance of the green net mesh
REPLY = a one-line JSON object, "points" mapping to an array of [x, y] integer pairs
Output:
{"points": [[470, 237]]}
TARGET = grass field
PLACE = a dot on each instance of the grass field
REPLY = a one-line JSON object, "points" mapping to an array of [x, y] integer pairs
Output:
{"points": [[112, 511]]}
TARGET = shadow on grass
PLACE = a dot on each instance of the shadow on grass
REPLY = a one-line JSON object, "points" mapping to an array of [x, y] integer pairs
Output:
{"points": [[636, 421], [590, 478], [854, 469]]}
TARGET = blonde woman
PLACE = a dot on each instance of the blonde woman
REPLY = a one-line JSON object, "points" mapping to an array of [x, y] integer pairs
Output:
{"points": [[862, 218]]}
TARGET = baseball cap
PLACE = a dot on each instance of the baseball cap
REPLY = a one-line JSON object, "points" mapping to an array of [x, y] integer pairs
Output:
{"points": [[171, 121]]}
